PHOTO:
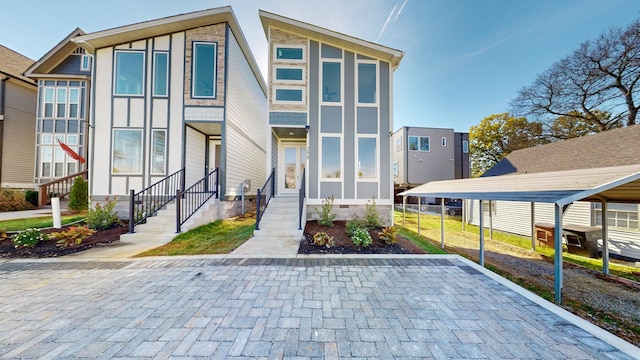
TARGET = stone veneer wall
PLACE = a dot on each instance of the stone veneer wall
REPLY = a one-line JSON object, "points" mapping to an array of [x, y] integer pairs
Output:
{"points": [[280, 37], [212, 33]]}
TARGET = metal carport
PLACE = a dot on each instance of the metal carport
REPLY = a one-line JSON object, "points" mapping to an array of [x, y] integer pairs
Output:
{"points": [[620, 184]]}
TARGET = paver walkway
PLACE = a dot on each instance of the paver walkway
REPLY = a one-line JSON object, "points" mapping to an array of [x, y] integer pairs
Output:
{"points": [[441, 307]]}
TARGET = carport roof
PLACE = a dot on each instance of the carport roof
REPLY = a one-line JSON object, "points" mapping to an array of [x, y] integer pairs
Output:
{"points": [[613, 184]]}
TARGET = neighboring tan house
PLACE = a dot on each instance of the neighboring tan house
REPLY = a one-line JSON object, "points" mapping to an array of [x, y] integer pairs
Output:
{"points": [[422, 154], [18, 96], [330, 116], [611, 148], [181, 92], [63, 76]]}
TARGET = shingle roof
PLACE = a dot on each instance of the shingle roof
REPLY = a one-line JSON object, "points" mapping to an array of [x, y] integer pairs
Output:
{"points": [[617, 147], [14, 64]]}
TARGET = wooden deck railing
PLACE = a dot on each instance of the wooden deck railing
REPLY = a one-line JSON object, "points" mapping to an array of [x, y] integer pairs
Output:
{"points": [[59, 187]]}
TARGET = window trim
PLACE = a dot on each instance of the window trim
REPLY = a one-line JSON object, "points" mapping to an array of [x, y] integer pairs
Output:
{"points": [[289, 46], [52, 102], [194, 45], [113, 137], [321, 81], [152, 153], [289, 102], [69, 102], [357, 159], [286, 81], [357, 83], [85, 65], [155, 73], [115, 70]]}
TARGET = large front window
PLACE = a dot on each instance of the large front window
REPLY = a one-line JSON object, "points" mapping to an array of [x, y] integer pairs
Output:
{"points": [[622, 216], [331, 158], [204, 70], [367, 163], [331, 80], [127, 151], [129, 77], [367, 83]]}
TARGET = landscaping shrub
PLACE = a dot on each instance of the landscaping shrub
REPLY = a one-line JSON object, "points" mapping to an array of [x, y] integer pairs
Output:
{"points": [[371, 216], [31, 196], [361, 238], [352, 225], [389, 235], [101, 217], [326, 215], [13, 200], [28, 238], [75, 235], [79, 196], [321, 238]]}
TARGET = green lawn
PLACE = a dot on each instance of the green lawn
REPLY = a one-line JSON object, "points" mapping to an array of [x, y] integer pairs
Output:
{"points": [[430, 228], [219, 237], [37, 222]]}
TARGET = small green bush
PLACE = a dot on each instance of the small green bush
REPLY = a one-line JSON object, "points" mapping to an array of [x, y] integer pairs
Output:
{"points": [[326, 215], [353, 225], [321, 238], [28, 238], [361, 238], [31, 196], [101, 217], [79, 196], [371, 216]]}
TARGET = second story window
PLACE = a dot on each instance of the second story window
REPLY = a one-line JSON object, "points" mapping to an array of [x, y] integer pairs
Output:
{"points": [[85, 63], [367, 83], [419, 143], [295, 53], [204, 70], [129, 73], [465, 147], [160, 73], [331, 82]]}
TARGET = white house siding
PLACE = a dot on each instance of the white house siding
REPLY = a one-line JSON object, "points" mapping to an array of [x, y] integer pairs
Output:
{"points": [[176, 103], [246, 128], [195, 151], [19, 135], [100, 140]]}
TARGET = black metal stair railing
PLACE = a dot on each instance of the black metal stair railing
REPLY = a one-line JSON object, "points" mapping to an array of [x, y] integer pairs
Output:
{"points": [[148, 201], [301, 196], [264, 196], [191, 200]]}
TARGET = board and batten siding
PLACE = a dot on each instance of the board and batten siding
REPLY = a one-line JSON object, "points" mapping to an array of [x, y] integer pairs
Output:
{"points": [[246, 127], [18, 142], [195, 152]]}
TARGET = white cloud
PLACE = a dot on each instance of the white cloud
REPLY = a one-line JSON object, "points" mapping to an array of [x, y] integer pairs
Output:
{"points": [[401, 7], [386, 23]]}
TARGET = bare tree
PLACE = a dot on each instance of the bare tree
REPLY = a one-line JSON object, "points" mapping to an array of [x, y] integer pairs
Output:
{"points": [[600, 77]]}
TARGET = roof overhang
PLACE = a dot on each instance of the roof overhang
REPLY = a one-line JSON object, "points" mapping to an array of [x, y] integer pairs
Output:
{"points": [[393, 56], [54, 57], [168, 25], [619, 184]]}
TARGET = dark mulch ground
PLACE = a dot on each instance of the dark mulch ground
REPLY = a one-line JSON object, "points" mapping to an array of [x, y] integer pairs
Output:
{"points": [[343, 245], [48, 249]]}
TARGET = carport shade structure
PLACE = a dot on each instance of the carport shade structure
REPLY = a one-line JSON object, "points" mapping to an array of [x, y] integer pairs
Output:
{"points": [[620, 184]]}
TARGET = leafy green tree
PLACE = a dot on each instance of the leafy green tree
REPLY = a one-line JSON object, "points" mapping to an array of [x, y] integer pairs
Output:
{"points": [[497, 136], [79, 196]]}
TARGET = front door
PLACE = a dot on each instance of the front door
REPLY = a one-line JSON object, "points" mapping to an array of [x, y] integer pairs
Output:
{"points": [[292, 162]]}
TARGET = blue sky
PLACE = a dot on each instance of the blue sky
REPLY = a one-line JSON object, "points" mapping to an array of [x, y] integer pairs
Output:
{"points": [[465, 59]]}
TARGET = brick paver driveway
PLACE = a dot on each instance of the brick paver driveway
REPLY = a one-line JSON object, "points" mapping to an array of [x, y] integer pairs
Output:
{"points": [[279, 308]]}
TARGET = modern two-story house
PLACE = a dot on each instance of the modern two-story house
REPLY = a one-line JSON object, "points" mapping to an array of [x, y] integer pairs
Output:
{"points": [[330, 116], [18, 95], [181, 92], [422, 154]]}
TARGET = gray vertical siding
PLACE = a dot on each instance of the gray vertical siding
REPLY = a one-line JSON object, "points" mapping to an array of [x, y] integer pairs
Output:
{"points": [[349, 125], [385, 122], [313, 118]]}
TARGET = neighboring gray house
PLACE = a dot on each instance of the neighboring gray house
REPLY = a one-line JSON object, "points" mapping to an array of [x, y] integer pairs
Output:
{"points": [[330, 116], [64, 78], [422, 154], [18, 96], [611, 148]]}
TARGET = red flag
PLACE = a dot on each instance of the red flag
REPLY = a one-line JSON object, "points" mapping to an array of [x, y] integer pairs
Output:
{"points": [[70, 152]]}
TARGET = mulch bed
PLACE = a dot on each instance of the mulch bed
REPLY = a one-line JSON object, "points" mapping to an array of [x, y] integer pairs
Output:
{"points": [[343, 245], [47, 249]]}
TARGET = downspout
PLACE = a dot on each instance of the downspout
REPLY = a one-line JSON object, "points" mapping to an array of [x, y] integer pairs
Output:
{"points": [[2, 101]]}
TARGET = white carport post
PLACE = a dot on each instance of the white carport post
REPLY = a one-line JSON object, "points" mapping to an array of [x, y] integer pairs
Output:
{"points": [[464, 212], [442, 222], [419, 216], [481, 235], [557, 256], [605, 239], [490, 219], [404, 208], [533, 226]]}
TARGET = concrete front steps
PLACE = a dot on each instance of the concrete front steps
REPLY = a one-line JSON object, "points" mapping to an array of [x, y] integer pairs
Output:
{"points": [[157, 231], [278, 235]]}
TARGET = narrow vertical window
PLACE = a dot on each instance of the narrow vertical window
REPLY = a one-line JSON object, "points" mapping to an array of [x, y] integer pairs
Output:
{"points": [[444, 141], [46, 159], [74, 102], [158, 152], [413, 143], [204, 70], [367, 83], [398, 144], [424, 143], [331, 82], [85, 63], [396, 169], [465, 147], [367, 164], [127, 152], [61, 103], [49, 94], [129, 73], [160, 73], [331, 158]]}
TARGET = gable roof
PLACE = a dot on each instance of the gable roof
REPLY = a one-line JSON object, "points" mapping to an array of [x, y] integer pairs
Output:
{"points": [[169, 25], [55, 56], [393, 56], [605, 149], [14, 64]]}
